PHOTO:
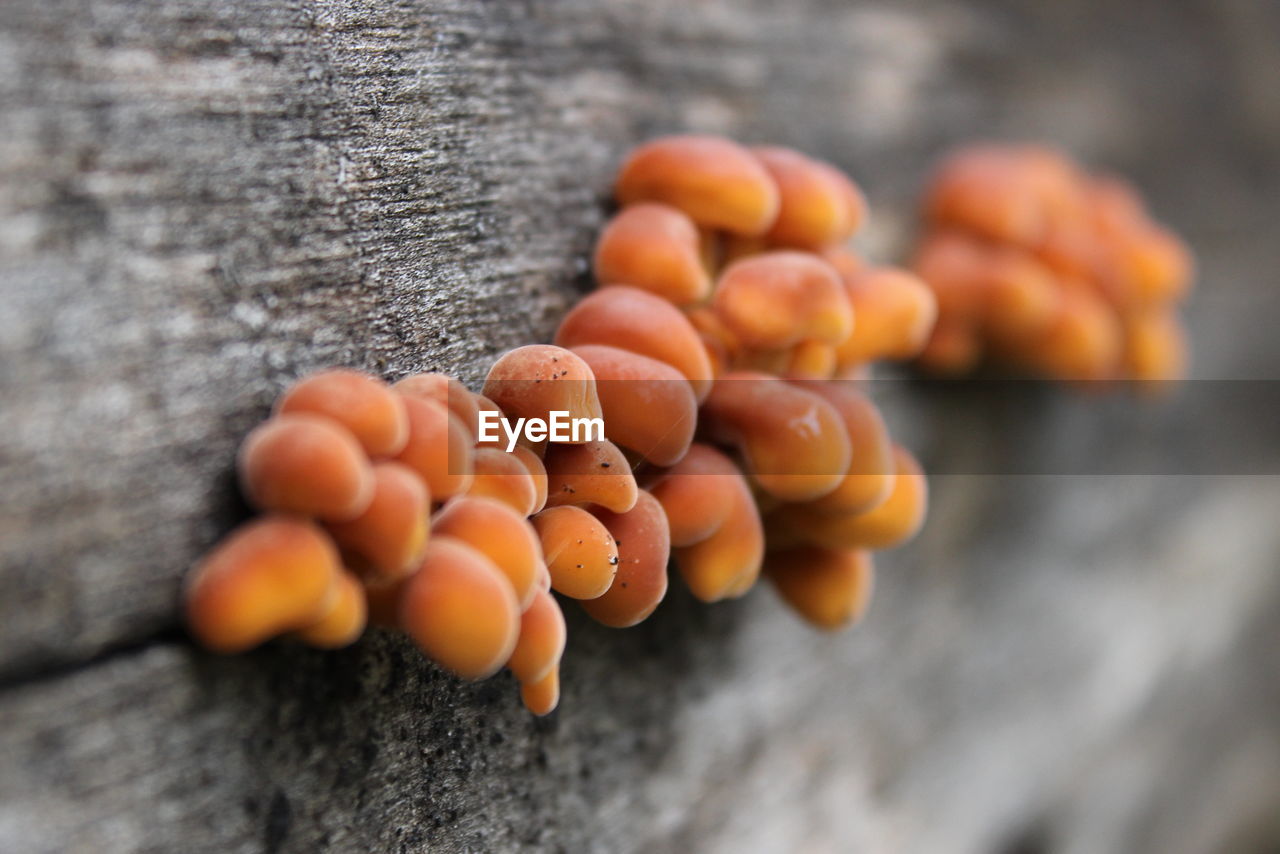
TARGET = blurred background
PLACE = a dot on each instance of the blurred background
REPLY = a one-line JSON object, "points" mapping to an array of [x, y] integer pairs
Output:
{"points": [[202, 200]]}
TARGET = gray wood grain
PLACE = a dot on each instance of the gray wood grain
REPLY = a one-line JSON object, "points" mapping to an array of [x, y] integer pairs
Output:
{"points": [[201, 200]]}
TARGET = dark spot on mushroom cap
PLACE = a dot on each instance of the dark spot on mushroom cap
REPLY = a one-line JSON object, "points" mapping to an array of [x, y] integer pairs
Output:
{"points": [[613, 560], [604, 465]]}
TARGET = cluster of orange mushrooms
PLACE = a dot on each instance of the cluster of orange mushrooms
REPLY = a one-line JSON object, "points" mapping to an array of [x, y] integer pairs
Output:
{"points": [[722, 353], [1044, 268]]}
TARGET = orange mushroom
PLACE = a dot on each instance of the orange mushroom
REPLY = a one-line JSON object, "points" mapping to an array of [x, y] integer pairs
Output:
{"points": [[715, 529], [443, 389], [984, 189], [895, 313], [591, 473], [829, 588], [892, 523], [389, 537], [306, 464], [870, 476], [344, 622], [779, 299], [644, 546], [579, 551], [364, 405], [460, 609], [657, 248], [648, 405], [505, 477], [794, 442], [1155, 347], [541, 641], [634, 320], [718, 183], [819, 205], [500, 534], [440, 448], [543, 696], [536, 380], [270, 576]]}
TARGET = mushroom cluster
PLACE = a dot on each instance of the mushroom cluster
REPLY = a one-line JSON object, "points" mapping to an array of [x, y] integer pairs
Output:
{"points": [[1045, 268], [721, 353]]}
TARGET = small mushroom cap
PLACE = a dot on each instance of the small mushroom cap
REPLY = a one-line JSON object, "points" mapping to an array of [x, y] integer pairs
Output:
{"points": [[460, 610], [1084, 341], [779, 299], [1155, 347], [505, 477], [1147, 266], [718, 183], [591, 473], [644, 547], [819, 204], [439, 449], [953, 348], [793, 441], [537, 474], [896, 312], [580, 553], [956, 268], [305, 464], [500, 534], [716, 533], [984, 188], [657, 248], [637, 321], [829, 588], [443, 388], [543, 696], [272, 575], [343, 624], [1022, 296], [363, 404], [390, 535], [541, 641], [533, 381], [870, 477], [892, 523], [811, 360], [648, 405]]}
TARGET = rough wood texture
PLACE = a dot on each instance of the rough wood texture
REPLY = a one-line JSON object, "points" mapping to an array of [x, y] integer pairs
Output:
{"points": [[202, 200]]}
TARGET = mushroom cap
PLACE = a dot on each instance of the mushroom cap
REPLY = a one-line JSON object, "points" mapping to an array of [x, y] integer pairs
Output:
{"points": [[1155, 347], [794, 443], [390, 535], [870, 476], [591, 473], [344, 622], [895, 310], [811, 360], [305, 464], [1084, 340], [537, 474], [580, 554], [543, 696], [819, 205], [984, 188], [439, 449], [644, 547], [657, 248], [443, 388], [953, 348], [271, 575], [779, 299], [361, 403], [1022, 295], [535, 380], [506, 477], [500, 534], [897, 519], [829, 588], [460, 609], [648, 406], [718, 183], [541, 641], [637, 321]]}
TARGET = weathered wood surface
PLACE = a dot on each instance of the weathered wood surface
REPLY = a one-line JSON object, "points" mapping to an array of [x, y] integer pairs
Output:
{"points": [[201, 200]]}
